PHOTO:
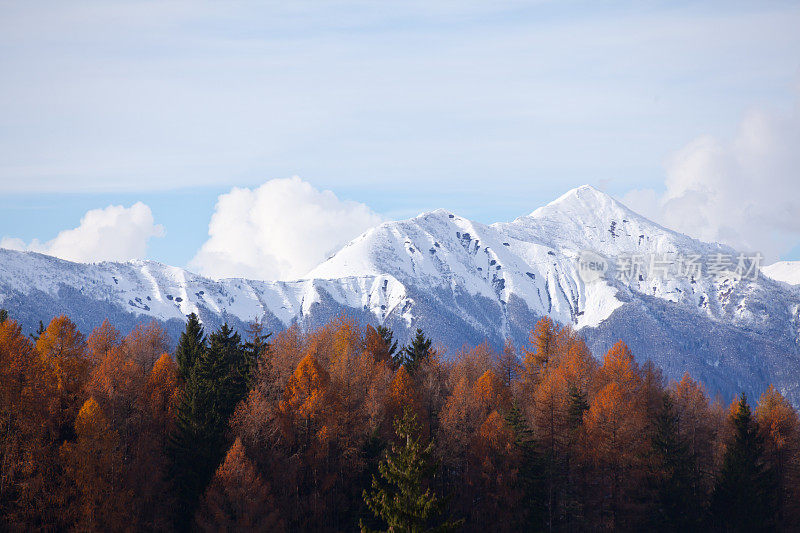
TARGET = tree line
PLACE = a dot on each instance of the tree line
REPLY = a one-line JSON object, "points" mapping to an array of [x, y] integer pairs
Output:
{"points": [[340, 429]]}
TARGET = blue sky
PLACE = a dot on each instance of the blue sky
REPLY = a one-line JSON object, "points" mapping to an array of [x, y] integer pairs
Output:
{"points": [[488, 109]]}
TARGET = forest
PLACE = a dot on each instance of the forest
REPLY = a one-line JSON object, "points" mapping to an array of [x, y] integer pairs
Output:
{"points": [[341, 429]]}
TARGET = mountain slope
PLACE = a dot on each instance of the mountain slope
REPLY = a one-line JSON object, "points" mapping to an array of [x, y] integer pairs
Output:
{"points": [[464, 282]]}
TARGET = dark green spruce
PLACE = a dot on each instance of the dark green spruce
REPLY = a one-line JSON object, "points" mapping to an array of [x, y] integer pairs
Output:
{"points": [[402, 498], [412, 355], [218, 378], [744, 496], [191, 346], [679, 506]]}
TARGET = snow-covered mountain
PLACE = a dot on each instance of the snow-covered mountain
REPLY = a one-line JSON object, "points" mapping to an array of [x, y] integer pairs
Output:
{"points": [[464, 282], [785, 271]]}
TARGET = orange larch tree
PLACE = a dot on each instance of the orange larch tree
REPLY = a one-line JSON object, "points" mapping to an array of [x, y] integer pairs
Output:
{"points": [[780, 429], [238, 498], [146, 343], [94, 462], [62, 349], [29, 490]]}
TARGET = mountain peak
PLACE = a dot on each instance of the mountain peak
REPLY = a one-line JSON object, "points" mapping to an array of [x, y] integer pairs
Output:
{"points": [[581, 198]]}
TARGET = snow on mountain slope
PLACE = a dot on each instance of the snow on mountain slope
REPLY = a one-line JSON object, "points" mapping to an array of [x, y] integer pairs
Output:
{"points": [[464, 282], [148, 289], [535, 259], [785, 271], [587, 219], [531, 263]]}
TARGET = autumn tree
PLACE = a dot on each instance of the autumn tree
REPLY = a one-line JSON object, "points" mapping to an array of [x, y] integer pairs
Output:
{"points": [[615, 427], [497, 468], [29, 470], [157, 405], [103, 340], [543, 344], [508, 364], [116, 382], [95, 464], [306, 398], [402, 395], [62, 349], [238, 498], [107, 434], [304, 413], [698, 429], [550, 410], [146, 342], [779, 428], [380, 343]]}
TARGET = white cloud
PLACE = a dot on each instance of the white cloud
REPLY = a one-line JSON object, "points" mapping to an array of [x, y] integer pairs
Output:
{"points": [[744, 192], [116, 233], [280, 230]]}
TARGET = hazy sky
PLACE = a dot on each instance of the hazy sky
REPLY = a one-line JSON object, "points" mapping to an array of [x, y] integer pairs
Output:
{"points": [[687, 111]]}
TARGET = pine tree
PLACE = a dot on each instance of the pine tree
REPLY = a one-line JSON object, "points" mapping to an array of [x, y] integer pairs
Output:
{"points": [[193, 447], [4, 315], [229, 364], [678, 507], [411, 356], [744, 499], [39, 330], [388, 339], [529, 477], [191, 346], [256, 346], [400, 498], [217, 382], [577, 406]]}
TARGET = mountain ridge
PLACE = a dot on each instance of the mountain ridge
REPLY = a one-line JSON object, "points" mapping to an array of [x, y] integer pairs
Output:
{"points": [[465, 282]]}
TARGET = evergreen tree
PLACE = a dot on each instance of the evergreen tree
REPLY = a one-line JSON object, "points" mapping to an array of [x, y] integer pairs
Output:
{"points": [[191, 346], [257, 342], [529, 476], [575, 488], [4, 316], [218, 380], [227, 364], [388, 339], [256, 346], [412, 355], [578, 405], [38, 333], [744, 499], [402, 499], [679, 507]]}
